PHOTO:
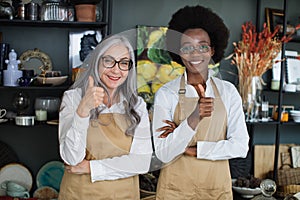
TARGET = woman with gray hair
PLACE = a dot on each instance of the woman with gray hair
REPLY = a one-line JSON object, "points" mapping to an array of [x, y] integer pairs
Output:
{"points": [[104, 130]]}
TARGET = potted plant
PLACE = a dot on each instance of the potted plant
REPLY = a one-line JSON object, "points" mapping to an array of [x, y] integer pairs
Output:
{"points": [[85, 10]]}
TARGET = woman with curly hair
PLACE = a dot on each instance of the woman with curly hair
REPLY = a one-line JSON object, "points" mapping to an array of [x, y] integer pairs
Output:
{"points": [[198, 120]]}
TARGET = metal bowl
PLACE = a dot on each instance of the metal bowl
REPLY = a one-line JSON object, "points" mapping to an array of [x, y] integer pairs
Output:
{"points": [[25, 120]]}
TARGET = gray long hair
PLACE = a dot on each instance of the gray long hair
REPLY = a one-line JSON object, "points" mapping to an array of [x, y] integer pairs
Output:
{"points": [[128, 89]]}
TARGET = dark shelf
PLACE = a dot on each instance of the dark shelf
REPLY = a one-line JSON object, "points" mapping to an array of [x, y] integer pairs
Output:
{"points": [[263, 123], [273, 123], [284, 92], [64, 87], [296, 38], [290, 123], [57, 24]]}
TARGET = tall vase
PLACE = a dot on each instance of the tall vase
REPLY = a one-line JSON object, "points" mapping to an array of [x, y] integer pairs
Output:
{"points": [[250, 90]]}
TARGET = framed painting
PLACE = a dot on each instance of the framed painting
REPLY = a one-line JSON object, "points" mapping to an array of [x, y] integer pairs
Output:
{"points": [[154, 64], [292, 69], [81, 43], [274, 17], [295, 156]]}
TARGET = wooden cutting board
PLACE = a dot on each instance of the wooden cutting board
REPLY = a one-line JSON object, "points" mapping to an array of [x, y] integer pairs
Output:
{"points": [[264, 158]]}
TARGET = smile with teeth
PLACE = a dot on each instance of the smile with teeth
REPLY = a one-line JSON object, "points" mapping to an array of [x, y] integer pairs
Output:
{"points": [[113, 78], [196, 62]]}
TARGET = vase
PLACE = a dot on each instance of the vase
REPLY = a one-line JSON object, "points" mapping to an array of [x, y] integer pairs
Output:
{"points": [[85, 12], [250, 89]]}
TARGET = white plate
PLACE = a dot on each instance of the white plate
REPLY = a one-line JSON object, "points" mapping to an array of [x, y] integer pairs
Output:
{"points": [[17, 173], [50, 175]]}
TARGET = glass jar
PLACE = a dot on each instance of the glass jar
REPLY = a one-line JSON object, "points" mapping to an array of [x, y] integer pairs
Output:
{"points": [[54, 10]]}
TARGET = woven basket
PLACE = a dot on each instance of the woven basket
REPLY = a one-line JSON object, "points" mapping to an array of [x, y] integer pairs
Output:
{"points": [[289, 176], [283, 191]]}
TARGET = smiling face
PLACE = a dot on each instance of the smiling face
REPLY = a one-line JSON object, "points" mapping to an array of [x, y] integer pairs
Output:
{"points": [[196, 52], [114, 77]]}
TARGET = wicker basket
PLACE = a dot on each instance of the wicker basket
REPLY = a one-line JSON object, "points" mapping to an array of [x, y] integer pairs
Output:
{"points": [[290, 176], [283, 191]]}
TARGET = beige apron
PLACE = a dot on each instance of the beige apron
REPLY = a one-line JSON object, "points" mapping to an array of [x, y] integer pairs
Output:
{"points": [[190, 178], [103, 141]]}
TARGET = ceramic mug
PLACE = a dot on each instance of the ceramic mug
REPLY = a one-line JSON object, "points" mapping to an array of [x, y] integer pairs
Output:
{"points": [[24, 194], [13, 187], [15, 190], [2, 113]]}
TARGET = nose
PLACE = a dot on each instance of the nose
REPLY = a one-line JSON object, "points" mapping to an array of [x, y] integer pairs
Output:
{"points": [[115, 68]]}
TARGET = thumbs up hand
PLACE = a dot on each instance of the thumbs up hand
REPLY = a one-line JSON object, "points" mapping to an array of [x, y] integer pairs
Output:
{"points": [[206, 104], [93, 97]]}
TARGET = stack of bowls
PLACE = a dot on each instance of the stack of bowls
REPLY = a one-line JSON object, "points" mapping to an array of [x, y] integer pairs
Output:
{"points": [[295, 115]]}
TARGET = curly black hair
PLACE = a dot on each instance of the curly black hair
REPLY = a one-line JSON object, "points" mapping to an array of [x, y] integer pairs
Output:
{"points": [[191, 17]]}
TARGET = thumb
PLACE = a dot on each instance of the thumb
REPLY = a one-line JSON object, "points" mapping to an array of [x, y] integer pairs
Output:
{"points": [[201, 89], [91, 82]]}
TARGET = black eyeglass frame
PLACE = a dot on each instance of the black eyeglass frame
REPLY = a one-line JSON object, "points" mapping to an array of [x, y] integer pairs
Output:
{"points": [[130, 64]]}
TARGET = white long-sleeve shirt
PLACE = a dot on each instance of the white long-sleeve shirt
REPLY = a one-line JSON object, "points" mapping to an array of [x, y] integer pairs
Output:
{"points": [[73, 134], [237, 138]]}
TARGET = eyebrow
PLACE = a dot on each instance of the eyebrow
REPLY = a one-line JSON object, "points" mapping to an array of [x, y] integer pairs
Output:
{"points": [[115, 58]]}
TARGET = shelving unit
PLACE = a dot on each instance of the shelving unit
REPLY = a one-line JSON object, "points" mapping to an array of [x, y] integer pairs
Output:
{"points": [[38, 144], [278, 124]]}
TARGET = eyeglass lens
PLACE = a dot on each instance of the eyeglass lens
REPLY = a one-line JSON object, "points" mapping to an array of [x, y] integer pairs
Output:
{"points": [[124, 64], [191, 49]]}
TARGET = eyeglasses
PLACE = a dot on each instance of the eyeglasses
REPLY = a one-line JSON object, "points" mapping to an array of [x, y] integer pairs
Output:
{"points": [[191, 49], [124, 64]]}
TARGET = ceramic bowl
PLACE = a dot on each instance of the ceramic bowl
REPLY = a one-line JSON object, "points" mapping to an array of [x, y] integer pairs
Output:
{"points": [[54, 81], [295, 112], [244, 191], [296, 118]]}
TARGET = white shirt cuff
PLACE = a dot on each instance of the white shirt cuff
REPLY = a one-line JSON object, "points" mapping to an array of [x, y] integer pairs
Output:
{"points": [[97, 171]]}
